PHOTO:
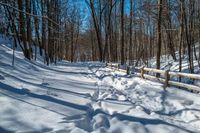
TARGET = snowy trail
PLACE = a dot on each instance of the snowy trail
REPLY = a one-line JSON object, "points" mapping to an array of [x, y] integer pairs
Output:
{"points": [[154, 101], [87, 97]]}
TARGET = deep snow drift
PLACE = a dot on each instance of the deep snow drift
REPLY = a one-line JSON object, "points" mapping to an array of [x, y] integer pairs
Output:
{"points": [[87, 97]]}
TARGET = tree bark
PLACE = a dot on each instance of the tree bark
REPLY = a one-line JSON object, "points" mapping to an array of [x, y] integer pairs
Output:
{"points": [[159, 41]]}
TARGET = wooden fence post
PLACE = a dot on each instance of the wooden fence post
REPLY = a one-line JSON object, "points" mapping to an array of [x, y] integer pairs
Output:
{"points": [[127, 70], [167, 78], [142, 72]]}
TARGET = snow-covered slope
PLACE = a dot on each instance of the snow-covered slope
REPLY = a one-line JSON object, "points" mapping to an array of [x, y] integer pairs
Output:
{"points": [[167, 63], [87, 97]]}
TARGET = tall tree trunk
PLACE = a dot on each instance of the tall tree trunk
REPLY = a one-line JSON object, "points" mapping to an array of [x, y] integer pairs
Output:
{"points": [[131, 31], [159, 41], [122, 33], [22, 25], [97, 25], [29, 33], [181, 36]]}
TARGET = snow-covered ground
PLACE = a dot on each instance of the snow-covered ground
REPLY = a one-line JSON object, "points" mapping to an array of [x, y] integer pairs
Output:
{"points": [[87, 97], [167, 63]]}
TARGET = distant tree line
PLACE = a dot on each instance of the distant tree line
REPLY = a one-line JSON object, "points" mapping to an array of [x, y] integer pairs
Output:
{"points": [[125, 31]]}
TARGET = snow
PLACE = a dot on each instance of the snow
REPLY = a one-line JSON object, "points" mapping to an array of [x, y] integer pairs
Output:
{"points": [[167, 63], [88, 97]]}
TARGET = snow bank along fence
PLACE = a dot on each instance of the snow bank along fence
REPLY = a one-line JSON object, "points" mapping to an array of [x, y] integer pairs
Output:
{"points": [[164, 78]]}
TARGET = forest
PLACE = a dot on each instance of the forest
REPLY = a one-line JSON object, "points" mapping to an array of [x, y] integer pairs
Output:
{"points": [[125, 31], [99, 66]]}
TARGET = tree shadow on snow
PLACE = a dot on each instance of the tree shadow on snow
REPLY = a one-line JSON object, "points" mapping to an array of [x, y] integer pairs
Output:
{"points": [[90, 113], [144, 121], [2, 130], [83, 86], [42, 97]]}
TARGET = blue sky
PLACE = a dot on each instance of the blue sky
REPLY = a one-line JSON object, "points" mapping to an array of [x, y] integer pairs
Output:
{"points": [[85, 12]]}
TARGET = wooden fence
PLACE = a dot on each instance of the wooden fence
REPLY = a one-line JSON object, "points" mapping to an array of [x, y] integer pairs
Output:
{"points": [[165, 74]]}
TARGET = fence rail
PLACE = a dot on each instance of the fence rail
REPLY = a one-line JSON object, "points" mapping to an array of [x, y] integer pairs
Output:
{"points": [[166, 75]]}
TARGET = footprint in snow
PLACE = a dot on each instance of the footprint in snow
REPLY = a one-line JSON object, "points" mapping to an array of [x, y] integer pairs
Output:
{"points": [[187, 102], [2, 78], [25, 90], [100, 121], [45, 84], [121, 98]]}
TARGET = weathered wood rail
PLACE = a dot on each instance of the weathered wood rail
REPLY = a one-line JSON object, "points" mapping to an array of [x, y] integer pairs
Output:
{"points": [[164, 78]]}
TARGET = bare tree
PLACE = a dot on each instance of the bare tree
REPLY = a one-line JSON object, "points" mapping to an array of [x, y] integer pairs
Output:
{"points": [[122, 32], [159, 41]]}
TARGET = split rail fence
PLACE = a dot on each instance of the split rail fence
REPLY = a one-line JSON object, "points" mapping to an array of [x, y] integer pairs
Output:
{"points": [[165, 75]]}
